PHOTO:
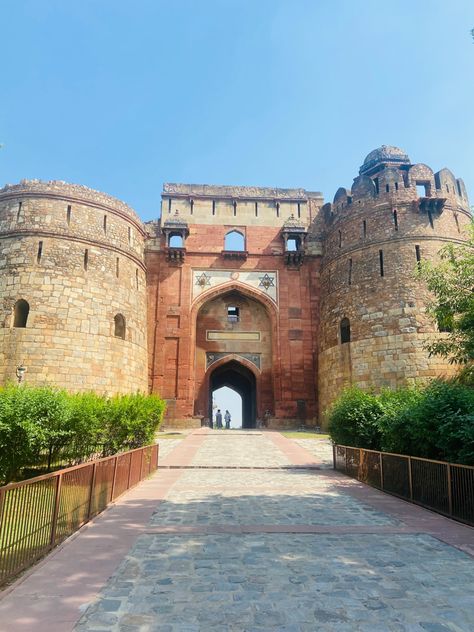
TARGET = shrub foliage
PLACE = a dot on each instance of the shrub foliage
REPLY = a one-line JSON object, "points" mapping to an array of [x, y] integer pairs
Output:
{"points": [[435, 421], [39, 425]]}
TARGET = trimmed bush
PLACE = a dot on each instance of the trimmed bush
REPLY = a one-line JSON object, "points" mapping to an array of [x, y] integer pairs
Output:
{"points": [[435, 421], [38, 426], [131, 421], [354, 419]]}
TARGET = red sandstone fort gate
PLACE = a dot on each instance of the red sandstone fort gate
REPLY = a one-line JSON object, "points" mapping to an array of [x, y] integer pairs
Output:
{"points": [[283, 298], [237, 317]]}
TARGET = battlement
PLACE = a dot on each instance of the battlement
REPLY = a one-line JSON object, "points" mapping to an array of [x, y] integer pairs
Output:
{"points": [[225, 192], [388, 177], [65, 190]]}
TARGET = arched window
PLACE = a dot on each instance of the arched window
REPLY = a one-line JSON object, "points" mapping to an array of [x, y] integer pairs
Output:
{"points": [[175, 241], [20, 313], [119, 330], [234, 241], [345, 330]]}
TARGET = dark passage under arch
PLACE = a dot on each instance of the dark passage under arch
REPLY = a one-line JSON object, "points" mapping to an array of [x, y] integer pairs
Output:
{"points": [[237, 377]]}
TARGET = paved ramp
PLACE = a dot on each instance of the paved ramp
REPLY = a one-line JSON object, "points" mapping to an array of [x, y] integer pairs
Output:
{"points": [[250, 531]]}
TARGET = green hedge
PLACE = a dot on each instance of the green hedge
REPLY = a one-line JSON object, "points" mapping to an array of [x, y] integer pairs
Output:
{"points": [[39, 424], [435, 421]]}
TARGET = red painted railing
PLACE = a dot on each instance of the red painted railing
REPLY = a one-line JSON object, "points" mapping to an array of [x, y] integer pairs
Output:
{"points": [[37, 514]]}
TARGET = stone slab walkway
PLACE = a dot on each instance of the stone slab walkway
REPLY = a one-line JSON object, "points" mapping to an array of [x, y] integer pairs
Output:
{"points": [[249, 531]]}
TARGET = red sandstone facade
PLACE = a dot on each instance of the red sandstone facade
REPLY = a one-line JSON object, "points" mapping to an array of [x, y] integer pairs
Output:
{"points": [[268, 351]]}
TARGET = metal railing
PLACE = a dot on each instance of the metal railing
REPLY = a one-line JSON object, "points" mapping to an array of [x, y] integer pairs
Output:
{"points": [[447, 488], [37, 514]]}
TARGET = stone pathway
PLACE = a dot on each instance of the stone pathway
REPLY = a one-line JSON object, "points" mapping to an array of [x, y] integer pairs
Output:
{"points": [[249, 531], [320, 448], [193, 577], [167, 446]]}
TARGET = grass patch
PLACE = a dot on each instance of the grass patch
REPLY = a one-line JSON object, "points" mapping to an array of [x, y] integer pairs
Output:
{"points": [[303, 434], [170, 435]]}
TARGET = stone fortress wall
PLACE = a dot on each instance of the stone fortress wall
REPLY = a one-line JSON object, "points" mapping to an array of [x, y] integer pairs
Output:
{"points": [[76, 257], [395, 215], [96, 284]]}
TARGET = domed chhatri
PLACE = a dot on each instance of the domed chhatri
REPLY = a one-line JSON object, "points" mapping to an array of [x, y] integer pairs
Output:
{"points": [[293, 223], [386, 154]]}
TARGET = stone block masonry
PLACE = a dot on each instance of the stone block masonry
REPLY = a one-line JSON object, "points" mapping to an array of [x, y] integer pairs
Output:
{"points": [[77, 258], [310, 298]]}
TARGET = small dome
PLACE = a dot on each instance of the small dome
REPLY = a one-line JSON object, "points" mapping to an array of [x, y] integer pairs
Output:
{"points": [[383, 155], [175, 221], [293, 222]]}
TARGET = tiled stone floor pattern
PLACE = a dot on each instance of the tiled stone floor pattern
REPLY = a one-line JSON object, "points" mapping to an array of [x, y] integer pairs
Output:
{"points": [[263, 581]]}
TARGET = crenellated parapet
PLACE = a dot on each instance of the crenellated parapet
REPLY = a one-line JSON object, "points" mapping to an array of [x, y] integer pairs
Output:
{"points": [[71, 192], [392, 180], [394, 199]]}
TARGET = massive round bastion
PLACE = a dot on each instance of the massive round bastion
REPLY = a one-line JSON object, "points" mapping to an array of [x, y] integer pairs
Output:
{"points": [[72, 288]]}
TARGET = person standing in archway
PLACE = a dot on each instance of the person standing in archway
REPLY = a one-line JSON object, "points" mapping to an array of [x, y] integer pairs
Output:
{"points": [[227, 419], [218, 418]]}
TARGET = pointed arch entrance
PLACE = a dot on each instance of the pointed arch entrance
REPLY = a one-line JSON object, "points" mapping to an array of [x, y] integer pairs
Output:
{"points": [[241, 379], [234, 345]]}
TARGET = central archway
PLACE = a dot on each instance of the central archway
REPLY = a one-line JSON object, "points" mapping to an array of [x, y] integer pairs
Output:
{"points": [[240, 379]]}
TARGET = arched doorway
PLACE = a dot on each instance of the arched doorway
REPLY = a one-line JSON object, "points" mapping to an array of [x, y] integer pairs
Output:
{"points": [[235, 325], [240, 379]]}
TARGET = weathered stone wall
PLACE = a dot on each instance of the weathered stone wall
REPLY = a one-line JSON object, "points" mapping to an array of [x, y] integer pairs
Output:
{"points": [[76, 256], [383, 217]]}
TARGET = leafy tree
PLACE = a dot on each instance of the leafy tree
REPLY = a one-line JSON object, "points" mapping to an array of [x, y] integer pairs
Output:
{"points": [[451, 282]]}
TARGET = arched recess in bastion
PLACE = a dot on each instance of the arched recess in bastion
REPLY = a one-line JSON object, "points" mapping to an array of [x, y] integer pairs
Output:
{"points": [[234, 343]]}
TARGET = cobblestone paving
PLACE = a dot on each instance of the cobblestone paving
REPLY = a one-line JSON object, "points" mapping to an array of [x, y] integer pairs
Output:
{"points": [[320, 448], [233, 448], [299, 583], [261, 497], [262, 581]]}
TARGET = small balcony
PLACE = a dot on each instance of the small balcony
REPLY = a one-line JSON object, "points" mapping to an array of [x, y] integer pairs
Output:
{"points": [[175, 255], [235, 254]]}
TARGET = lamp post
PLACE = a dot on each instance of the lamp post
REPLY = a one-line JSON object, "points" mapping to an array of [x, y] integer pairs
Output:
{"points": [[20, 373]]}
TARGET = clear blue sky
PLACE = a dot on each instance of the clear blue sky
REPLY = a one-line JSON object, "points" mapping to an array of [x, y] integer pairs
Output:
{"points": [[122, 96]]}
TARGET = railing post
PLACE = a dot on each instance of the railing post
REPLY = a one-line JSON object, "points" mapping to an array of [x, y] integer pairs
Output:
{"points": [[334, 456], [141, 464], [410, 478], [91, 491], [57, 500], [129, 469], [359, 468], [450, 491], [112, 491], [381, 470], [345, 455], [2, 504]]}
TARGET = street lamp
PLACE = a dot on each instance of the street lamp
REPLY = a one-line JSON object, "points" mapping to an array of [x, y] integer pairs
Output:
{"points": [[20, 373]]}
